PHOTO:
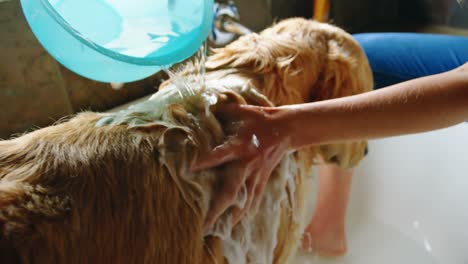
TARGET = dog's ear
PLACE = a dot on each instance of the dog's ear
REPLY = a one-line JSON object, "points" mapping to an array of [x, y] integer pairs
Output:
{"points": [[347, 71]]}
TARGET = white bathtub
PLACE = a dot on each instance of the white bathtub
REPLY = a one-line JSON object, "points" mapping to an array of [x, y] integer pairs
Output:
{"points": [[409, 202]]}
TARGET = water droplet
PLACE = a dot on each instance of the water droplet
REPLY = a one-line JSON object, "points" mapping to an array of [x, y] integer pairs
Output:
{"points": [[255, 141]]}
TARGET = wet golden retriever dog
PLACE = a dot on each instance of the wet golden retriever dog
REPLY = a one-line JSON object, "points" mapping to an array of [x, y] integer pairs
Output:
{"points": [[117, 188]]}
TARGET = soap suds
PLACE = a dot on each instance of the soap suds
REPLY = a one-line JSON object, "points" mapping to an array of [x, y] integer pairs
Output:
{"points": [[255, 238], [188, 113]]}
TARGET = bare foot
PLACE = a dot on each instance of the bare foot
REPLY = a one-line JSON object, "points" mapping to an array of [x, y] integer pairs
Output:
{"points": [[326, 234], [325, 238]]}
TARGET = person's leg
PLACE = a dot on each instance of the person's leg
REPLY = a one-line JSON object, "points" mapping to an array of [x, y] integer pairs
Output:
{"points": [[397, 57], [326, 235], [394, 57]]}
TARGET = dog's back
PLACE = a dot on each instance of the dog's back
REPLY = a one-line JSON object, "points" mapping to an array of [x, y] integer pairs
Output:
{"points": [[77, 193]]}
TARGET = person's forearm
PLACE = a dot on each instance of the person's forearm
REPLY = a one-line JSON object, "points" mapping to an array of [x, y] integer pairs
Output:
{"points": [[424, 104]]}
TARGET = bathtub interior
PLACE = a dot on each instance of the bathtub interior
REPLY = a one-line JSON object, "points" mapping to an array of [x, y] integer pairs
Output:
{"points": [[409, 202]]}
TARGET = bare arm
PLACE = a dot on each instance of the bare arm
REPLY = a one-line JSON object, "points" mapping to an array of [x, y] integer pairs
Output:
{"points": [[424, 104], [419, 105]]}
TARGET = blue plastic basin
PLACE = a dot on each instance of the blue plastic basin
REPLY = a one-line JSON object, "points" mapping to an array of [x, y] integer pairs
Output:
{"points": [[119, 40]]}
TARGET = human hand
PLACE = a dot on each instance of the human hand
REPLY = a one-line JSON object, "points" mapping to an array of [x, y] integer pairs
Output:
{"points": [[250, 154]]}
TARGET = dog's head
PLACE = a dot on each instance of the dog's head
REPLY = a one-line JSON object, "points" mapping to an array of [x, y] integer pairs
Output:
{"points": [[299, 61]]}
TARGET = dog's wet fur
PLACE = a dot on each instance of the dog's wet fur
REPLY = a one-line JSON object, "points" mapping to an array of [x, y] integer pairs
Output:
{"points": [[76, 192]]}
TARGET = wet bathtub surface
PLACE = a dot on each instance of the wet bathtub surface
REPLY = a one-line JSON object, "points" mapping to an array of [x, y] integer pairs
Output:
{"points": [[409, 202]]}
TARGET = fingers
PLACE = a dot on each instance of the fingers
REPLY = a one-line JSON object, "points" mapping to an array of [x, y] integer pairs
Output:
{"points": [[228, 111], [260, 187], [224, 153], [234, 111], [231, 150], [227, 194], [256, 178], [237, 212], [238, 147], [254, 198], [258, 194]]}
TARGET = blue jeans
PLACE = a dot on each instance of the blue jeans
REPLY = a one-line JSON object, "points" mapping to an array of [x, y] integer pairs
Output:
{"points": [[397, 57]]}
